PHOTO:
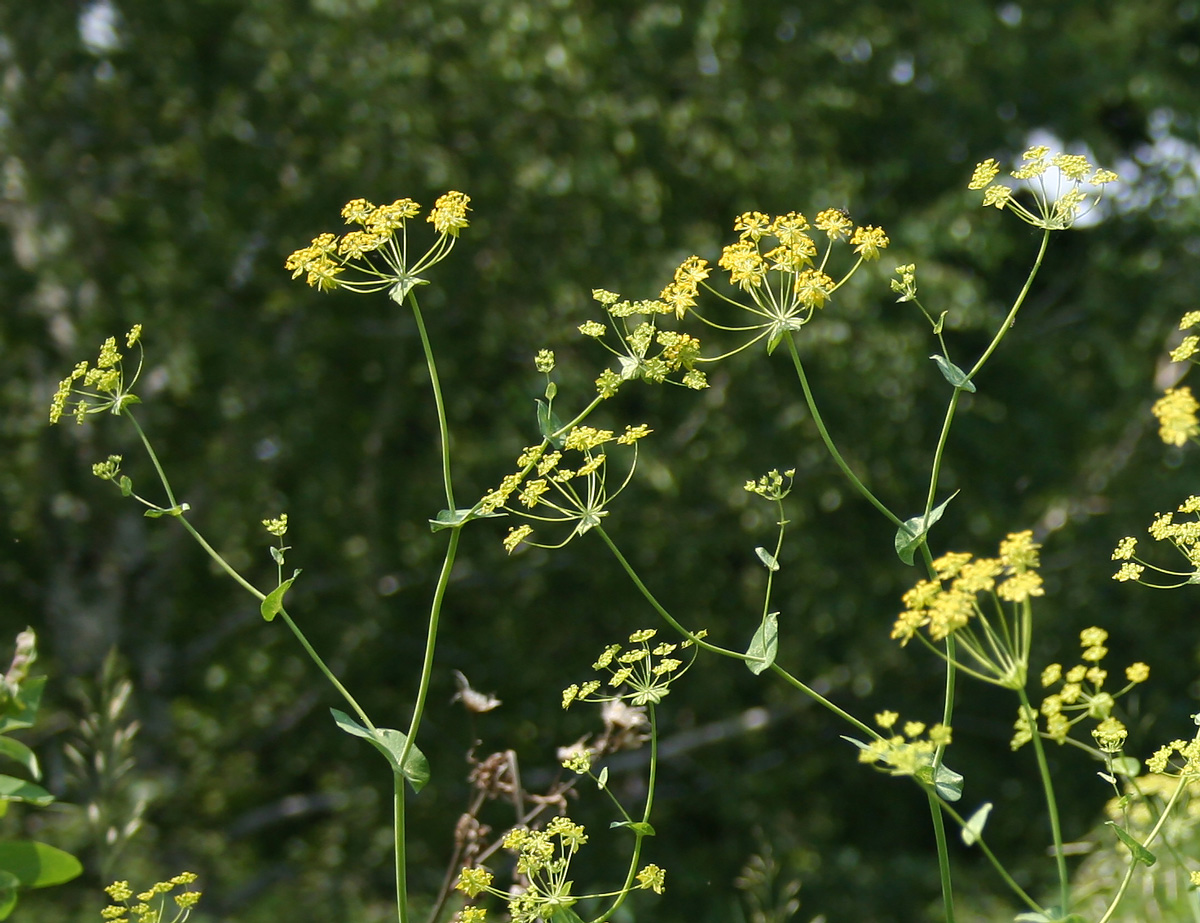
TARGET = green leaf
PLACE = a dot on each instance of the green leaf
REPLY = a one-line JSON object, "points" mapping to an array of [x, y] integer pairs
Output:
{"points": [[941, 321], [949, 784], [1128, 766], [453, 519], [37, 865], [636, 826], [764, 644], [1140, 852], [973, 829], [21, 711], [565, 915], [8, 900], [15, 750], [126, 486], [391, 744], [551, 390], [14, 789], [173, 511], [913, 531], [775, 339], [953, 374], [549, 423], [602, 779], [274, 602], [767, 558]]}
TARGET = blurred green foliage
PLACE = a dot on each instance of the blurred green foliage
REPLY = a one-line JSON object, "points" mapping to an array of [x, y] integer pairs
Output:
{"points": [[160, 160]]}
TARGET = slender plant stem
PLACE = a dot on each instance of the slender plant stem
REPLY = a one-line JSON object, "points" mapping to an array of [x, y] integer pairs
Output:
{"points": [[399, 849], [943, 851], [1064, 881], [995, 862], [162, 475], [1012, 314], [638, 834], [828, 440], [435, 385]]}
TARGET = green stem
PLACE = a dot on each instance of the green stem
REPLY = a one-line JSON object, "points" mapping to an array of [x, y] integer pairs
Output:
{"points": [[638, 835], [825, 437], [1150, 838], [1012, 314], [162, 475], [435, 384], [1064, 881], [995, 862], [399, 851], [723, 651], [943, 852]]}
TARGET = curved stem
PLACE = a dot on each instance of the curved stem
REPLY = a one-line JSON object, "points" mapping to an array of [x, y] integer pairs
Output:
{"points": [[1012, 314], [825, 437]]}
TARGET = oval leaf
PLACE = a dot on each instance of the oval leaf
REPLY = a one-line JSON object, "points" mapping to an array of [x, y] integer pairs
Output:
{"points": [[15, 750], [973, 829], [274, 602], [390, 743], [37, 865], [913, 531], [767, 558], [1140, 852], [549, 423], [764, 644], [953, 374], [14, 789]]}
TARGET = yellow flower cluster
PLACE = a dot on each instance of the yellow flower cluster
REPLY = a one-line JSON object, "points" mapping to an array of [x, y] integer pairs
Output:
{"points": [[770, 485], [556, 493], [1176, 413], [106, 381], [1082, 696], [1184, 535], [949, 605], [144, 908], [645, 673], [908, 753], [378, 250], [677, 351], [1055, 209], [1190, 344], [543, 860]]}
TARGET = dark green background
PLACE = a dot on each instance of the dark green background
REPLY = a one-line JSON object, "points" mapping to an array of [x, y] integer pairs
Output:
{"points": [[164, 178]]}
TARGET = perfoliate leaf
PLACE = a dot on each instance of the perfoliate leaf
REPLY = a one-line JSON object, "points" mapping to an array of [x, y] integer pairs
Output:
{"points": [[602, 778], [774, 339], [764, 644], [564, 915], [391, 744], [973, 829], [913, 531], [549, 423], [452, 519], [551, 390], [767, 558], [270, 606], [953, 374], [126, 486], [636, 826], [1140, 852]]}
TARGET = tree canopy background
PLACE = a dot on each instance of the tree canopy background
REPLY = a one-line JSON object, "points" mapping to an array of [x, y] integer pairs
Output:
{"points": [[160, 160]]}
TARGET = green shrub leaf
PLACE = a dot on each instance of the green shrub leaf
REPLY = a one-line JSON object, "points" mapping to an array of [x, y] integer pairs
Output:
{"points": [[913, 531], [274, 602]]}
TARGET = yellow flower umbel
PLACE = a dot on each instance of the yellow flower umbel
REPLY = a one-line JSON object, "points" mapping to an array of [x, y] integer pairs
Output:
{"points": [[906, 754], [1082, 696], [1056, 182], [150, 906], [985, 603], [780, 267], [638, 335], [1183, 535], [104, 386], [641, 675], [377, 252], [543, 861], [1187, 349], [1176, 413], [548, 491]]}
